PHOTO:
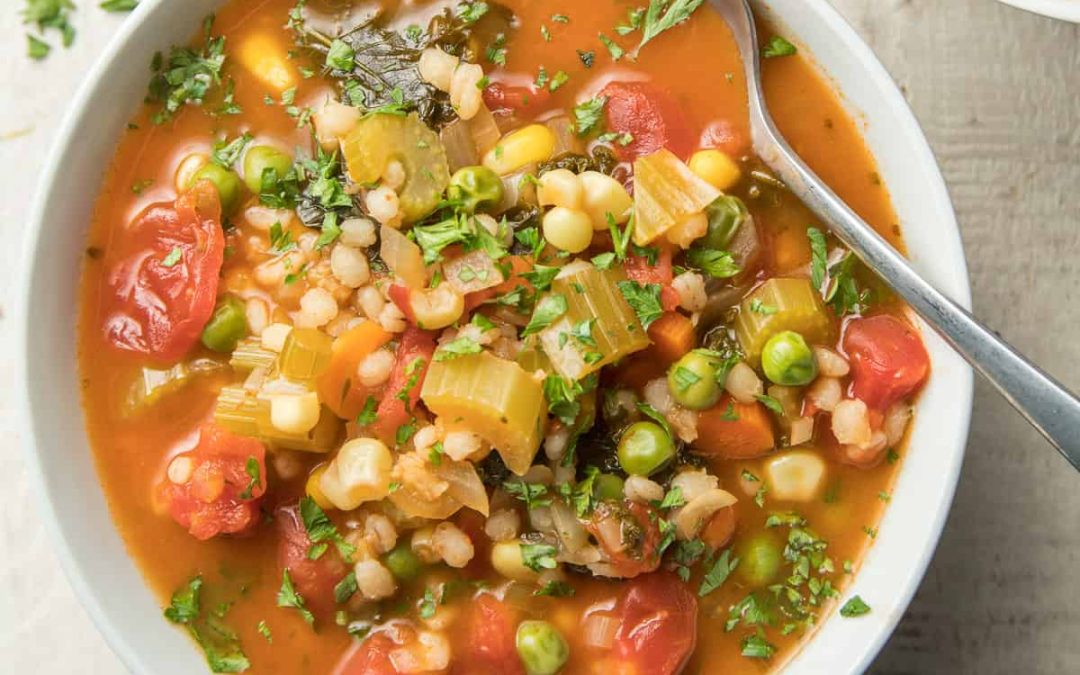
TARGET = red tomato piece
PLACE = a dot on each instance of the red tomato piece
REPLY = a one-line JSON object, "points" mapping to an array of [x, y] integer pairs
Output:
{"points": [[639, 269], [489, 631], [413, 358], [503, 98], [165, 279], [724, 135], [650, 115], [314, 579], [222, 494], [629, 536], [399, 295], [888, 360], [370, 657], [658, 624]]}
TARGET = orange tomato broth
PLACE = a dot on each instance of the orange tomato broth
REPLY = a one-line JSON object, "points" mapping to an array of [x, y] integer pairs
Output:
{"points": [[696, 62]]}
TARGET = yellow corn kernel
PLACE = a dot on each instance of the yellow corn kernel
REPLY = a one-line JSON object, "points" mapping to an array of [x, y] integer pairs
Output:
{"points": [[264, 57], [715, 168], [315, 491], [534, 143], [508, 561]]}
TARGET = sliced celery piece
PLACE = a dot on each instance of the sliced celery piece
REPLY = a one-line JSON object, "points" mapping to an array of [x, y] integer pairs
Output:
{"points": [[250, 354], [666, 192], [495, 398], [306, 354], [777, 305], [598, 328], [247, 414], [379, 139], [532, 356], [153, 384]]}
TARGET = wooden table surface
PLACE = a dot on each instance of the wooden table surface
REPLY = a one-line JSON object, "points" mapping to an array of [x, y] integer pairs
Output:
{"points": [[998, 92]]}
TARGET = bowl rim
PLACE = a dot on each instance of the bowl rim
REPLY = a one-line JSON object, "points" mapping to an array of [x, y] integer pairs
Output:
{"points": [[1064, 10], [126, 645]]}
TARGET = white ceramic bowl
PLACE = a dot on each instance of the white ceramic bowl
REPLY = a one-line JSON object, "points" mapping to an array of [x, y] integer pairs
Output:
{"points": [[74, 507], [1066, 10]]}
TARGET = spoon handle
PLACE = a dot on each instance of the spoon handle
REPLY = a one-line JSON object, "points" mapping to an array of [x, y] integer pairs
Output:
{"points": [[1046, 403]]}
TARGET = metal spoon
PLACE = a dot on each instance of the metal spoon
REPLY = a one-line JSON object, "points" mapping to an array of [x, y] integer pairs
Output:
{"points": [[1043, 401]]}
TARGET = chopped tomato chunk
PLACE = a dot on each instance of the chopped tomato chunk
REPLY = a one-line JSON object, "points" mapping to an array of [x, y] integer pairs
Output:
{"points": [[490, 628], [658, 624], [629, 536], [225, 482], [650, 115], [503, 98], [164, 277], [724, 135], [403, 390], [888, 360], [315, 579], [644, 271], [397, 647], [370, 657]]}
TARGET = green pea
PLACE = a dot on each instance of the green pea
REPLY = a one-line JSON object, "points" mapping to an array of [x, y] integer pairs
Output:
{"points": [[476, 187], [227, 325], [543, 650], [760, 559], [227, 183], [788, 360], [725, 215], [644, 449], [261, 158], [608, 487], [692, 381], [403, 563]]}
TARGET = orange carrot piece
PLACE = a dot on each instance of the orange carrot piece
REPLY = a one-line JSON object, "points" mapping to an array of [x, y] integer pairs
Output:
{"points": [[339, 387], [733, 430], [672, 335]]}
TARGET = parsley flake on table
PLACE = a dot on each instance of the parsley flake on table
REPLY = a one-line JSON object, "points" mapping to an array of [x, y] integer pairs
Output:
{"points": [[855, 606]]}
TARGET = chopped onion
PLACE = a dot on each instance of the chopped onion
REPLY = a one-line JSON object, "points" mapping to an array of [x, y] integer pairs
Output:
{"points": [[571, 532], [465, 486], [403, 257], [692, 517], [457, 138], [600, 629], [566, 141], [484, 131], [472, 272]]}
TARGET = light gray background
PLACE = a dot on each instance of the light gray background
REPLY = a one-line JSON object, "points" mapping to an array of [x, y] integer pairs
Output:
{"points": [[998, 92]]}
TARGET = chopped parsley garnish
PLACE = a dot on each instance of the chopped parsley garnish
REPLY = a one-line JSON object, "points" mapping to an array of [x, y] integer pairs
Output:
{"points": [[558, 80], [778, 46], [264, 630], [684, 378], [322, 531], [471, 12], [218, 642], [428, 605], [548, 310], [663, 15], [715, 263], [562, 396], [587, 57], [47, 14], [556, 589], [717, 573], [340, 56], [187, 76], [770, 403], [254, 474], [538, 557], [541, 276], [288, 598], [755, 646], [759, 307], [673, 499], [329, 232], [36, 49], [461, 346], [345, 588], [534, 495], [819, 257], [644, 300], [613, 48], [118, 5], [589, 114], [855, 606], [496, 51], [173, 257], [654, 414], [225, 153]]}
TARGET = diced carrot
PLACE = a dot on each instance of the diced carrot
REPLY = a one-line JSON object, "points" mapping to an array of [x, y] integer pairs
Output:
{"points": [[672, 336], [733, 430], [339, 387]]}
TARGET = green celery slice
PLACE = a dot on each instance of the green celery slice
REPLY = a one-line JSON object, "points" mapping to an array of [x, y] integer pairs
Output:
{"points": [[666, 192], [306, 354], [250, 354], [245, 413], [495, 398], [778, 305], [153, 384], [593, 298]]}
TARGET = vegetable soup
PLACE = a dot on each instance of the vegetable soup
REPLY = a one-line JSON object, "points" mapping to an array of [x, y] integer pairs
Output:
{"points": [[472, 337]]}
